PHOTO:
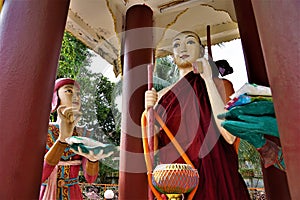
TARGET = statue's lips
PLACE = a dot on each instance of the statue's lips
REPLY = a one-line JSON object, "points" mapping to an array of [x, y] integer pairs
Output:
{"points": [[184, 56]]}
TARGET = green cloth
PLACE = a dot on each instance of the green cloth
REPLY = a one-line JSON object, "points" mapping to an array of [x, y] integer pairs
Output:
{"points": [[251, 122], [244, 131], [255, 108]]}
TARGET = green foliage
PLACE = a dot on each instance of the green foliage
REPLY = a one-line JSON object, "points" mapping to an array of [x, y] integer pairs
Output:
{"points": [[106, 170], [73, 56], [248, 154], [108, 115], [166, 69]]}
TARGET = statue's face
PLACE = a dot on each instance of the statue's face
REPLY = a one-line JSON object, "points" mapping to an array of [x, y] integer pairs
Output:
{"points": [[69, 96], [186, 49]]}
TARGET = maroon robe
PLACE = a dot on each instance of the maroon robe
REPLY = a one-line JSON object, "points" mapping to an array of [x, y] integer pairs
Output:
{"points": [[186, 111]]}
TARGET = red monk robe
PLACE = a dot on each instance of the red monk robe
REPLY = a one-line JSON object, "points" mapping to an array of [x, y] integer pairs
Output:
{"points": [[186, 110]]}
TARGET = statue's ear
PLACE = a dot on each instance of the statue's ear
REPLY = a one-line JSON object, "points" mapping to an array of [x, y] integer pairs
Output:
{"points": [[202, 50]]}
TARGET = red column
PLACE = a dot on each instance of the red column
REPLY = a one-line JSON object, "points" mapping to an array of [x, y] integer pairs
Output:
{"points": [[278, 27], [252, 50], [138, 52], [30, 39], [275, 181]]}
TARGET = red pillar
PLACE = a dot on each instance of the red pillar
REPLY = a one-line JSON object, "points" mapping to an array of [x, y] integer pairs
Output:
{"points": [[275, 181], [278, 27], [30, 39], [252, 50], [138, 52]]}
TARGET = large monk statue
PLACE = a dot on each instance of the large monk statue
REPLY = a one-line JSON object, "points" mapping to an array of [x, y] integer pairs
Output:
{"points": [[189, 109]]}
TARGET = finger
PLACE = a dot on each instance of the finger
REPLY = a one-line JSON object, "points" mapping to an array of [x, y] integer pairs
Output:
{"points": [[68, 110], [198, 66], [100, 154], [150, 93], [60, 110], [110, 153], [91, 152], [80, 150], [71, 118], [77, 112], [77, 118], [150, 98]]}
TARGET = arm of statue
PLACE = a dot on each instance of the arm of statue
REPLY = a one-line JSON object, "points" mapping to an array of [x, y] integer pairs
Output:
{"points": [[90, 170], [216, 100]]}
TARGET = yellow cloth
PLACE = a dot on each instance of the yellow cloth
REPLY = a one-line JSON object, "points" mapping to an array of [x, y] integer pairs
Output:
{"points": [[1, 4]]}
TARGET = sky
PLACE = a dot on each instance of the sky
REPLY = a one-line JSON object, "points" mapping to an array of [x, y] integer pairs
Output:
{"points": [[99, 65], [230, 51]]}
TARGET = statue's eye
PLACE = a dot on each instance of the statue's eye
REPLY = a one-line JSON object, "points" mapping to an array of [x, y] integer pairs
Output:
{"points": [[190, 42], [176, 45], [69, 91]]}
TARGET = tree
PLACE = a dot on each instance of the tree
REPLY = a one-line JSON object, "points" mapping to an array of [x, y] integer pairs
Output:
{"points": [[108, 115], [166, 69], [73, 56]]}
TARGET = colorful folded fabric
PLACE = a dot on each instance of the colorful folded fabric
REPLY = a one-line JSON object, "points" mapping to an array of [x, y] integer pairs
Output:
{"points": [[245, 99], [88, 144], [252, 90]]}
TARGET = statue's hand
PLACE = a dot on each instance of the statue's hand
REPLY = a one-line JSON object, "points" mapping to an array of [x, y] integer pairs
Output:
{"points": [[69, 118], [150, 98], [202, 66], [91, 156]]}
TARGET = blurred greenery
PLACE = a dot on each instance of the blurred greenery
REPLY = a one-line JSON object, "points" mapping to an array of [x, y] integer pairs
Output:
{"points": [[249, 160]]}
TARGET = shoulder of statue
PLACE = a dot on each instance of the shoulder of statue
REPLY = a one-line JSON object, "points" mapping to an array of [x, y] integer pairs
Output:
{"points": [[162, 92]]}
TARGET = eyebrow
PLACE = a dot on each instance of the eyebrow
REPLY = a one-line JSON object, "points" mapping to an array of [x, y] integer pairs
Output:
{"points": [[190, 36], [69, 87]]}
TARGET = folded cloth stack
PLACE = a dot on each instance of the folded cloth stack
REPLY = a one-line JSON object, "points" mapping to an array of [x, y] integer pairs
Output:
{"points": [[250, 116]]}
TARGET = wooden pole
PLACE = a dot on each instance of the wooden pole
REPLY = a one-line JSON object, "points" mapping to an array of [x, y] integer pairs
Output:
{"points": [[30, 36], [278, 27], [138, 53], [275, 180]]}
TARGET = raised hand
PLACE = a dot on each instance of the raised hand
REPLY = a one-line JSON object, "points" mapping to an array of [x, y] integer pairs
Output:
{"points": [[69, 117], [202, 66]]}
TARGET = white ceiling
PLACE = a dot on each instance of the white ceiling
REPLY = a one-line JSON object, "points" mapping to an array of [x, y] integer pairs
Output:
{"points": [[100, 23]]}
